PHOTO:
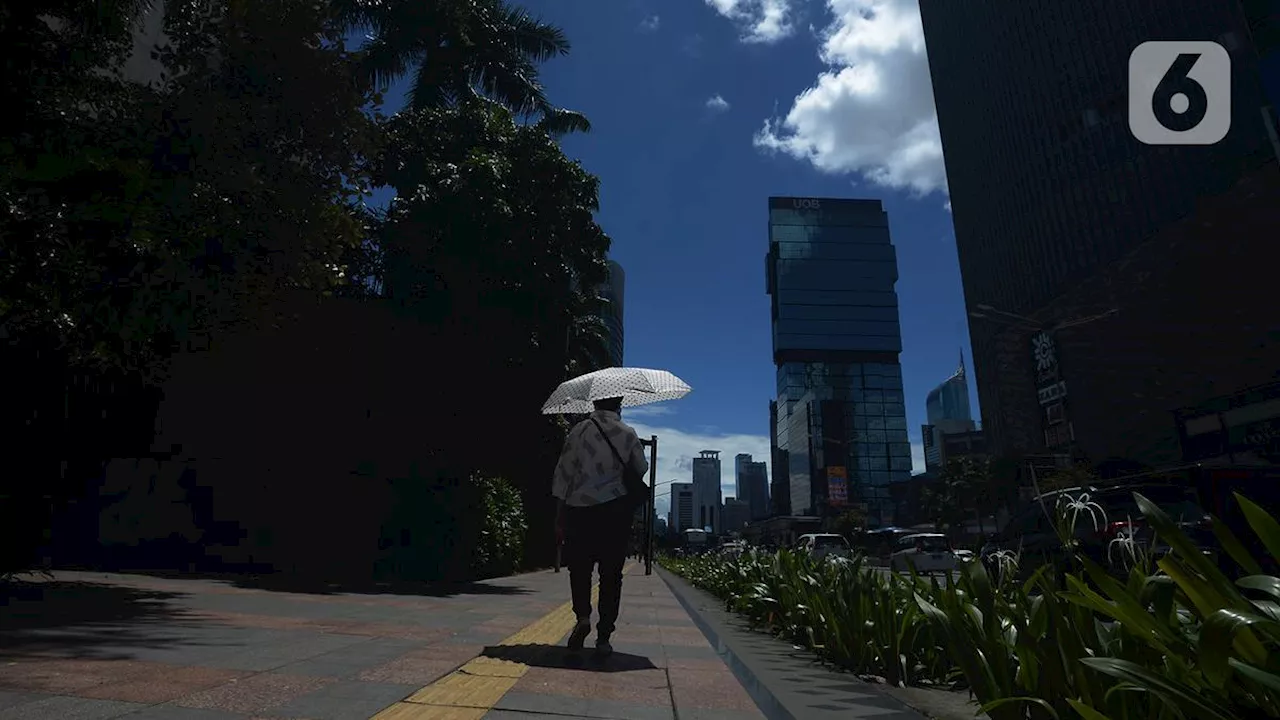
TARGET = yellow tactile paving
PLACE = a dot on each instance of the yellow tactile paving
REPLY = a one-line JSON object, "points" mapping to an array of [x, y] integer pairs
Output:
{"points": [[473, 689]]}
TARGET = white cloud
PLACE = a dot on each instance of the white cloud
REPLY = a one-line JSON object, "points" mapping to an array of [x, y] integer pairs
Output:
{"points": [[649, 411], [715, 103], [761, 21], [650, 24], [678, 448], [871, 112]]}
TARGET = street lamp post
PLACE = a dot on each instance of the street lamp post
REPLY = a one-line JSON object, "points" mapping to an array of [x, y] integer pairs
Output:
{"points": [[651, 507]]}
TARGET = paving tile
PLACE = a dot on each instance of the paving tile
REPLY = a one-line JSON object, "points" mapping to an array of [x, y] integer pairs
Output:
{"points": [[517, 715], [9, 698], [344, 700], [255, 694], [175, 712], [687, 636], [448, 651], [68, 708], [584, 707], [639, 687], [409, 671], [712, 688], [177, 682]]}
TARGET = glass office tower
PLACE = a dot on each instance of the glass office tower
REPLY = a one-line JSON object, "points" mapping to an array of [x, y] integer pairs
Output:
{"points": [[840, 419], [1046, 183]]}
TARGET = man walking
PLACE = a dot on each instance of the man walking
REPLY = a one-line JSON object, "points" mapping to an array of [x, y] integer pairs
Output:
{"points": [[595, 512]]}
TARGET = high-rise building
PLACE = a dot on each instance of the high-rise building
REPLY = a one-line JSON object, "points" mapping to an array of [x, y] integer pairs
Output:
{"points": [[706, 490], [737, 513], [738, 461], [839, 419], [947, 412], [1048, 188], [753, 488], [779, 484], [614, 293], [682, 507]]}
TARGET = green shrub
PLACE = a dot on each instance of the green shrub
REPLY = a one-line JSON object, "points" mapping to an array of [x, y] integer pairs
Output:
{"points": [[499, 549], [1174, 639]]}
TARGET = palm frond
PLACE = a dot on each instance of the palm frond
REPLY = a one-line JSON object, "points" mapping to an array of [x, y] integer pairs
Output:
{"points": [[537, 40], [558, 121]]}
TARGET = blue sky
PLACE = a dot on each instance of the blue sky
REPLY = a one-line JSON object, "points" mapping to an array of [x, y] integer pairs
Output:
{"points": [[701, 110]]}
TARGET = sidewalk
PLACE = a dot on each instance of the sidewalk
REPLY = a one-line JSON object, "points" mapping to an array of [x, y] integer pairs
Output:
{"points": [[93, 645]]}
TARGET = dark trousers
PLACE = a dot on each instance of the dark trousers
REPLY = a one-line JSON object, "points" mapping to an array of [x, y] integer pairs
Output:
{"points": [[597, 534]]}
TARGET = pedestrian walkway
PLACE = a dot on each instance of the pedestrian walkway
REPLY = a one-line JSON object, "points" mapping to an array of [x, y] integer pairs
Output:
{"points": [[91, 646]]}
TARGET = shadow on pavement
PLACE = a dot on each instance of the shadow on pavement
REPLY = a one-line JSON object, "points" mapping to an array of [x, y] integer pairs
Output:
{"points": [[317, 586], [87, 620], [560, 657]]}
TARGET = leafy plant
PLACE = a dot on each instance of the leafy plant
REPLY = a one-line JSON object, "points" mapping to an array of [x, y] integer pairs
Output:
{"points": [[499, 550], [1172, 637]]}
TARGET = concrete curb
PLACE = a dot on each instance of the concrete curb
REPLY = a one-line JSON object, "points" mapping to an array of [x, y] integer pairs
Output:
{"points": [[789, 684]]}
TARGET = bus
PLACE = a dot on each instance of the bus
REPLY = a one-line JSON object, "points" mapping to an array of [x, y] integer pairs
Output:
{"points": [[695, 540]]}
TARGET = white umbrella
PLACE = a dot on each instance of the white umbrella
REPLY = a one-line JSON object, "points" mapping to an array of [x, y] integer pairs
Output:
{"points": [[636, 386]]}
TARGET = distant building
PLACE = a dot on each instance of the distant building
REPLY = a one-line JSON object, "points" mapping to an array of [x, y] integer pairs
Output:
{"points": [[753, 486], [706, 490], [737, 513], [839, 419], [682, 505], [948, 414], [614, 292]]}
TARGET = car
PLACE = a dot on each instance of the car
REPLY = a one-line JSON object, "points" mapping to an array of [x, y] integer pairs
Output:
{"points": [[822, 545], [1109, 528], [926, 552], [964, 555]]}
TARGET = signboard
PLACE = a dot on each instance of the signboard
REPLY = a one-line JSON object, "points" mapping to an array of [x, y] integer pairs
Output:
{"points": [[1058, 435], [837, 486], [1052, 393], [1045, 355], [797, 203]]}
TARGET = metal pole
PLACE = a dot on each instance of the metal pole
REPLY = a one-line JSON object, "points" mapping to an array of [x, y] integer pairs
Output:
{"points": [[652, 504]]}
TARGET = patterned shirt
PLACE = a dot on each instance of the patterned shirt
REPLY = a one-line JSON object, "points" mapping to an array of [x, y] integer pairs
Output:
{"points": [[588, 472]]}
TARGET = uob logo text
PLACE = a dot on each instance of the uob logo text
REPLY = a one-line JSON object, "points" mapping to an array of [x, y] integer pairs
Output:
{"points": [[806, 204]]}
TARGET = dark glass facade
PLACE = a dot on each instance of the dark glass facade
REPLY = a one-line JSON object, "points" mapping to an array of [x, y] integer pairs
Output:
{"points": [[950, 400], [836, 339], [948, 413], [1046, 183]]}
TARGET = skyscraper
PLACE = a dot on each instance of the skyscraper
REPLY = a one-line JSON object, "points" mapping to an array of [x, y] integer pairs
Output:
{"points": [[707, 499], [738, 461], [755, 480], [839, 418], [682, 507], [779, 487], [614, 292], [947, 413], [752, 485], [1047, 185]]}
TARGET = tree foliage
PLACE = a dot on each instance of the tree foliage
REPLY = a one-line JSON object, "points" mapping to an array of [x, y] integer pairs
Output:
{"points": [[141, 221]]}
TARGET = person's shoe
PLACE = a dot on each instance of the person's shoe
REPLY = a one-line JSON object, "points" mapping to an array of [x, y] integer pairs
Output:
{"points": [[579, 634], [603, 648]]}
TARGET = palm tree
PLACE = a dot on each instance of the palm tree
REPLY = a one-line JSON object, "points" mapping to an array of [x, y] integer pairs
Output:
{"points": [[458, 50]]}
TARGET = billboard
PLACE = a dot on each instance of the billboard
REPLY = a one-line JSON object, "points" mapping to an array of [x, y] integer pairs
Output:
{"points": [[837, 486]]}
